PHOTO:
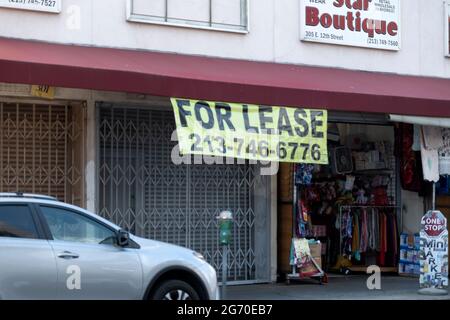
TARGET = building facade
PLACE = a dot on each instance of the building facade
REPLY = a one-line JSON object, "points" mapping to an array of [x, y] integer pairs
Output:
{"points": [[104, 139]]}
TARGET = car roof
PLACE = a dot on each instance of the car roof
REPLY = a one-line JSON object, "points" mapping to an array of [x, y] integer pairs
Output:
{"points": [[48, 200]]}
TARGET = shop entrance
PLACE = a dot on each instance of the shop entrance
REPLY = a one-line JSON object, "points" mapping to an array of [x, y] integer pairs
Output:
{"points": [[42, 150], [144, 191], [350, 209]]}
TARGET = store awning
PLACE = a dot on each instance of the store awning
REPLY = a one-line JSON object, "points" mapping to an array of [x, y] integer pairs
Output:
{"points": [[423, 121], [197, 77]]}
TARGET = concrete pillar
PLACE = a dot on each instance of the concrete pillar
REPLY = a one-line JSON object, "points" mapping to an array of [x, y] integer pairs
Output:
{"points": [[91, 157]]}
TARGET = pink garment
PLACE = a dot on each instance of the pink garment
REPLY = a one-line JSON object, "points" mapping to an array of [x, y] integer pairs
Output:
{"points": [[364, 232]]}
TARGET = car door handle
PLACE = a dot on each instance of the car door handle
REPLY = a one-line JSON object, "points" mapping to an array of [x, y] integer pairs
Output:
{"points": [[68, 255]]}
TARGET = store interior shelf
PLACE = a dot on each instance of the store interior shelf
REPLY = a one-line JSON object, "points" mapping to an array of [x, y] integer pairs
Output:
{"points": [[373, 172], [364, 269]]}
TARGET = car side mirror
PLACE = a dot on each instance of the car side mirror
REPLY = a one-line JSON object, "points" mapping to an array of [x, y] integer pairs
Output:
{"points": [[123, 238]]}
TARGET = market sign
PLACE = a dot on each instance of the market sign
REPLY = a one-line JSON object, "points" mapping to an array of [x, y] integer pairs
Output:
{"points": [[362, 23], [251, 132], [34, 5], [434, 251]]}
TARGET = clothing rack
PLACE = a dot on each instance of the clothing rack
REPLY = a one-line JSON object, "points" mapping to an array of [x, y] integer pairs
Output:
{"points": [[341, 208]]}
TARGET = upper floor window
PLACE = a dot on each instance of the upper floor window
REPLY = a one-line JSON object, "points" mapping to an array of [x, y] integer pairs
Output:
{"points": [[222, 15]]}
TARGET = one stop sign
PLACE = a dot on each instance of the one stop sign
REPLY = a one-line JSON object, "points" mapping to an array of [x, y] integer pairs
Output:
{"points": [[434, 224]]}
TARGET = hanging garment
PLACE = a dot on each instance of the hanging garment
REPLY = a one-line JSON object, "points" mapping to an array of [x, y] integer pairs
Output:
{"points": [[364, 232], [416, 138], [371, 228], [430, 163], [432, 137], [444, 153], [444, 161], [355, 238], [346, 229], [377, 229], [396, 240], [304, 173], [410, 161], [392, 236], [383, 240]]}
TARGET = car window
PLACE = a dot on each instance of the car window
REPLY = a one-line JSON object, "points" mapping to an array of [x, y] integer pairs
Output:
{"points": [[67, 225], [16, 221]]}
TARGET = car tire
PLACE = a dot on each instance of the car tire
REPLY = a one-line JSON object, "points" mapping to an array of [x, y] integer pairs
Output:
{"points": [[175, 290]]}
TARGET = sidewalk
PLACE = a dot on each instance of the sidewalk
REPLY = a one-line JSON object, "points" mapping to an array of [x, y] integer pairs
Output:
{"points": [[338, 288]]}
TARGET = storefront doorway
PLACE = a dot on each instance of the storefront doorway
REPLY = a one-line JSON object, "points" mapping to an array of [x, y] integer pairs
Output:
{"points": [[42, 149], [351, 209], [144, 191]]}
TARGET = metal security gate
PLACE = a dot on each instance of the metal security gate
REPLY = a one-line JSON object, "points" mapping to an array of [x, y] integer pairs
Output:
{"points": [[143, 190], [42, 150]]}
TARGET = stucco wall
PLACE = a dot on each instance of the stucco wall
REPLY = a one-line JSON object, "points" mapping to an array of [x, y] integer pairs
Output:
{"points": [[274, 36]]}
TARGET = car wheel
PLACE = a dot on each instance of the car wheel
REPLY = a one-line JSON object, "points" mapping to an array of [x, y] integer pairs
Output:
{"points": [[175, 290]]}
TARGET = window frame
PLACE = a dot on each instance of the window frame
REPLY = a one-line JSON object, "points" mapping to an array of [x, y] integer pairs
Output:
{"points": [[48, 232], [40, 230], [446, 28], [134, 17]]}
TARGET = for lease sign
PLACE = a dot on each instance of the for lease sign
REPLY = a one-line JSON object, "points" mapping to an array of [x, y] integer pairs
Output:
{"points": [[363, 23], [34, 5]]}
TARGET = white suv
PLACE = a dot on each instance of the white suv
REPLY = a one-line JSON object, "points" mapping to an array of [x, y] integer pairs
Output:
{"points": [[53, 250]]}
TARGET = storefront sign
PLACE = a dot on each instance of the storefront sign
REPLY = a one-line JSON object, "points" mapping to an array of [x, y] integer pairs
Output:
{"points": [[251, 132], [363, 23], [46, 92], [35, 5], [434, 251]]}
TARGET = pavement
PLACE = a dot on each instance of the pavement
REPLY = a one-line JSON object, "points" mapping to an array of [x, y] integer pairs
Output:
{"points": [[338, 288]]}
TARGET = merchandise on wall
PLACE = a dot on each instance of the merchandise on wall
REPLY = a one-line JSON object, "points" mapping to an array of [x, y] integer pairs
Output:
{"points": [[409, 263], [350, 206], [353, 205]]}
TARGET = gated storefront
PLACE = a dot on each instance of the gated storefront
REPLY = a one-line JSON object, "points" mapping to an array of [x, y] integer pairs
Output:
{"points": [[143, 190], [42, 149]]}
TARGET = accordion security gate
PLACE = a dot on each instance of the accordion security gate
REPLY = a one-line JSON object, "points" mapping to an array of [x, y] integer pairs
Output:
{"points": [[144, 191], [42, 150]]}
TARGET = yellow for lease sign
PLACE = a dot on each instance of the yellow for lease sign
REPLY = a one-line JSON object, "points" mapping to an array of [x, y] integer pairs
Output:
{"points": [[251, 132]]}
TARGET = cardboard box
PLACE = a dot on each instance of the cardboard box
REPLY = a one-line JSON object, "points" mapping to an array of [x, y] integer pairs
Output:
{"points": [[309, 267], [318, 261], [316, 250]]}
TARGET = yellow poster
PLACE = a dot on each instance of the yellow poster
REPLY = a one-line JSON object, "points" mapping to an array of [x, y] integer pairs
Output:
{"points": [[46, 92], [251, 132]]}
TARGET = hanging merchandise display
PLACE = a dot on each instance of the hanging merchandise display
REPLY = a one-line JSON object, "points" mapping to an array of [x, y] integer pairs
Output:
{"points": [[361, 178], [411, 175], [366, 231], [444, 153], [431, 141]]}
